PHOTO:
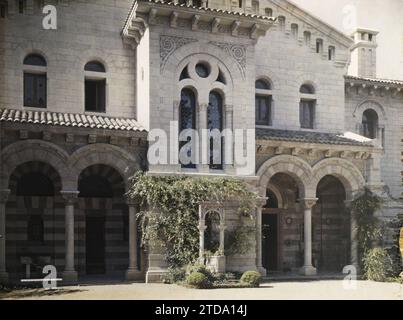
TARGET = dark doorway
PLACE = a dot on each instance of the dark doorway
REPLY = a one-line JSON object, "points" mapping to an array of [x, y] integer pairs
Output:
{"points": [[95, 245], [270, 242]]}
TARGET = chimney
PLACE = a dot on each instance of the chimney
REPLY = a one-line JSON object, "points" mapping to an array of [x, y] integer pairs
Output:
{"points": [[363, 53]]}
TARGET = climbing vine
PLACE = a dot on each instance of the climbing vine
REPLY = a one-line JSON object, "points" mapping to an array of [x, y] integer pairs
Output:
{"points": [[369, 228], [171, 218]]}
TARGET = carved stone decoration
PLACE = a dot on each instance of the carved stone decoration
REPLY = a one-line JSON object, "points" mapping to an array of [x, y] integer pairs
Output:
{"points": [[237, 52], [168, 45]]}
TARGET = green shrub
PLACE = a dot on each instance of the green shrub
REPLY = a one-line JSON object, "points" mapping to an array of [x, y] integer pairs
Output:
{"points": [[378, 265], [251, 278], [198, 280], [201, 268], [175, 275]]}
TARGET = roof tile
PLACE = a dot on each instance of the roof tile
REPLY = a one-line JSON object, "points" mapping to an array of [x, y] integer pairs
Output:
{"points": [[69, 119], [306, 136]]}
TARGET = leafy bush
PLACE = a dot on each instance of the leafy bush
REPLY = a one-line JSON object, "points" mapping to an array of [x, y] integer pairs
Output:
{"points": [[198, 280], [176, 199], [369, 229], [378, 265], [176, 275], [251, 278], [201, 268]]}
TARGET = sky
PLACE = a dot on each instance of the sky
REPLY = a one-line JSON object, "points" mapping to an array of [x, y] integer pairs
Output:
{"points": [[385, 16]]}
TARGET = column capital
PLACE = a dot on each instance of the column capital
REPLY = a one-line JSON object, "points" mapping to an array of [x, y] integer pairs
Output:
{"points": [[308, 203], [261, 201], [4, 193], [69, 196]]}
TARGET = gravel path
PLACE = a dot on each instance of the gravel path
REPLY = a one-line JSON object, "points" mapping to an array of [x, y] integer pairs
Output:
{"points": [[324, 289]]}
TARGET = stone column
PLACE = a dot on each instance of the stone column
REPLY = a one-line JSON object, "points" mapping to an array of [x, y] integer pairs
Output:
{"points": [[133, 272], [229, 140], [69, 274], [202, 228], [222, 237], [3, 200], [203, 166], [353, 236], [307, 268]]}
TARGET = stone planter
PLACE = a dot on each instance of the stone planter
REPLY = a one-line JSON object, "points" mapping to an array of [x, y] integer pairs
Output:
{"points": [[216, 264]]}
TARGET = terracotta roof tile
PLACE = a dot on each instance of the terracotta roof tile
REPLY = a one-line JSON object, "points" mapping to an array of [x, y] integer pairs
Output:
{"points": [[376, 80], [69, 119], [307, 137]]}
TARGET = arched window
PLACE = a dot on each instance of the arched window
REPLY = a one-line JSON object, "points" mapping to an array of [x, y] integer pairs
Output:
{"points": [[307, 89], [255, 7], [263, 102], [187, 120], [307, 38], [370, 124], [294, 30], [268, 12], [281, 22], [95, 87], [307, 106], [3, 9], [94, 66], [262, 84], [184, 74], [215, 121], [35, 60], [35, 81], [331, 53], [319, 45]]}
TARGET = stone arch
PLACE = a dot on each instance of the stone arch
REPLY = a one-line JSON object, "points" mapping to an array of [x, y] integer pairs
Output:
{"points": [[307, 78], [203, 86], [208, 52], [349, 175], [90, 57], [277, 193], [34, 150], [106, 154], [296, 167], [370, 104], [205, 51]]}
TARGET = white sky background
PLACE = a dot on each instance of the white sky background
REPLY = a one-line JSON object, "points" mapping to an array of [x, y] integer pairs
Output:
{"points": [[385, 16]]}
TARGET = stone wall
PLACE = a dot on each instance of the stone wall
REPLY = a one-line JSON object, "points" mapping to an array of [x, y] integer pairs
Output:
{"points": [[85, 31]]}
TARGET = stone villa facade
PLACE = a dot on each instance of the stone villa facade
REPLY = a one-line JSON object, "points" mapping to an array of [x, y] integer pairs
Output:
{"points": [[77, 103]]}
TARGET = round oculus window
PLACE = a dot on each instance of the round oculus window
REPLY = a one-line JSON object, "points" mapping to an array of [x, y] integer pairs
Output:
{"points": [[202, 70]]}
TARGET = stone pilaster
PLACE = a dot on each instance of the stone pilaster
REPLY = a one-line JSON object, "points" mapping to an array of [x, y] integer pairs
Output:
{"points": [[133, 272]]}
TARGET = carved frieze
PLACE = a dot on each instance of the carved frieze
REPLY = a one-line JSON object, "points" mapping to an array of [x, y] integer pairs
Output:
{"points": [[237, 52], [168, 45]]}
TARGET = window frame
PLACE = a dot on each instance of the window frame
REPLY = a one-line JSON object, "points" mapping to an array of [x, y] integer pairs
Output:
{"points": [[96, 76], [311, 103], [374, 122], [308, 99], [36, 71], [260, 94], [194, 124], [212, 166]]}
